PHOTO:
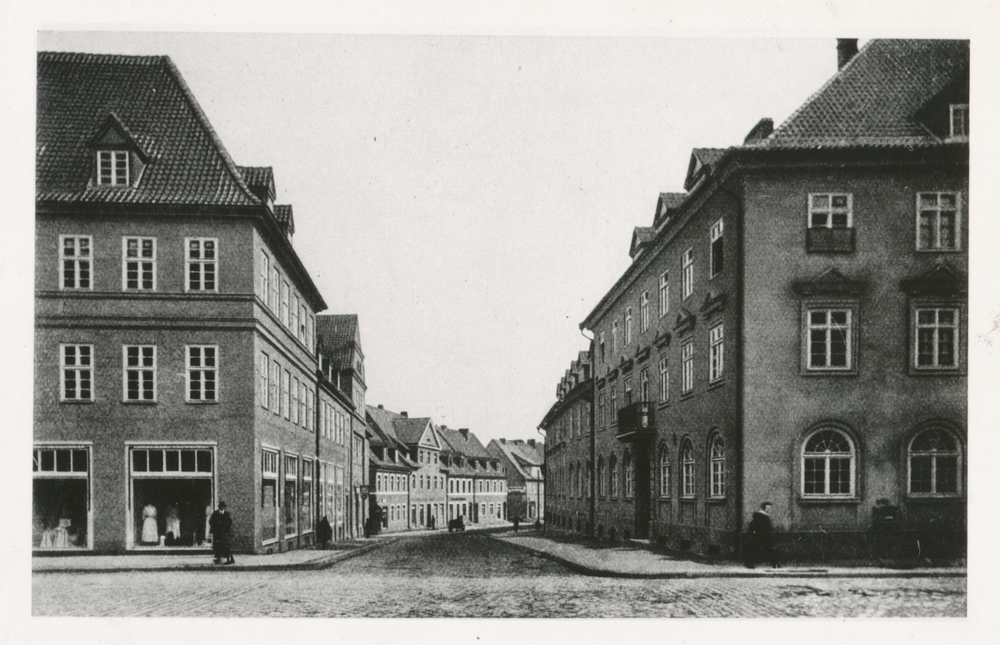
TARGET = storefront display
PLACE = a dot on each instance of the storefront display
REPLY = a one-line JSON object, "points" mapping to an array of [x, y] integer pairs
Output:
{"points": [[61, 514], [172, 495]]}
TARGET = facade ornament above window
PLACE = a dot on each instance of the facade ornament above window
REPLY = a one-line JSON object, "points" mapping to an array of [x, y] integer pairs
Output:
{"points": [[831, 283], [941, 281], [685, 321]]}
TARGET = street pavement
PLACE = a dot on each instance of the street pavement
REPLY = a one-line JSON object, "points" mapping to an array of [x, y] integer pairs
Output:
{"points": [[479, 575]]}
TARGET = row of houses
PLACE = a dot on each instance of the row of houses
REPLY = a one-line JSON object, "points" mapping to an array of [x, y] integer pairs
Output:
{"points": [[183, 357], [792, 329]]}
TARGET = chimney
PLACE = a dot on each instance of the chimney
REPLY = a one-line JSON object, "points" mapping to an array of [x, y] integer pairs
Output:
{"points": [[404, 414], [759, 132], [380, 406], [531, 442], [465, 433], [503, 441], [846, 50]]}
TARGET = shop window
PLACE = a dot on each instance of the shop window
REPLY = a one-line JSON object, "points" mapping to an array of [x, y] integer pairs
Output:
{"points": [[306, 496], [291, 495], [172, 496], [269, 495], [61, 509]]}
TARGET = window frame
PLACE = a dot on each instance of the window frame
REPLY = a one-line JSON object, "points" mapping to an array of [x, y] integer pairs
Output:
{"points": [[852, 455], [139, 260], [76, 368], [664, 293], [202, 262], [960, 108], [140, 369], [664, 369], [265, 375], [72, 473], [687, 367], [687, 483], [687, 274], [113, 168], [957, 454], [265, 278], [716, 353], [663, 472], [830, 210], [628, 327], [936, 246], [958, 342], [716, 250], [717, 467], [189, 368], [643, 311], [829, 305], [76, 259]]}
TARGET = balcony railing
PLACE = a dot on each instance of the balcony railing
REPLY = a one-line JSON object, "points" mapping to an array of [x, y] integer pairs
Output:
{"points": [[635, 421], [830, 240]]}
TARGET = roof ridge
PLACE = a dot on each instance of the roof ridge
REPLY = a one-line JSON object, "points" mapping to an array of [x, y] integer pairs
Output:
{"points": [[107, 59]]}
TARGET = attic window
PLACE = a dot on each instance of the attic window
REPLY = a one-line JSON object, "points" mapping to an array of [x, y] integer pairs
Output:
{"points": [[960, 120], [112, 168]]}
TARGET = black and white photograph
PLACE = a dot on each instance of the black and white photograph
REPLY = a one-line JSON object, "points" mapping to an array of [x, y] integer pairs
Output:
{"points": [[489, 322]]}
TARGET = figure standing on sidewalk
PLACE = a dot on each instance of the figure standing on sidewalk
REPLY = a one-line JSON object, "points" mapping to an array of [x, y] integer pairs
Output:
{"points": [[221, 524], [759, 541]]}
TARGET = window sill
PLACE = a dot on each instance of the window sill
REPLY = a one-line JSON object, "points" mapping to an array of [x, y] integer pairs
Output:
{"points": [[202, 402], [139, 402], [934, 499], [687, 500], [714, 385], [663, 404], [827, 501], [716, 501], [812, 373], [77, 401], [687, 395], [946, 371]]}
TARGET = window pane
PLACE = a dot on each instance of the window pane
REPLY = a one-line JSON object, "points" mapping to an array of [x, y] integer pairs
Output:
{"points": [[205, 461], [156, 461], [140, 461], [187, 461], [814, 476], [173, 461], [64, 461], [947, 475], [48, 460], [840, 476], [79, 461], [838, 348], [920, 475]]}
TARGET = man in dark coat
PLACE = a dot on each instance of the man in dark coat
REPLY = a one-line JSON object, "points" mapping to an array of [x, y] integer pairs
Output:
{"points": [[759, 543], [221, 525]]}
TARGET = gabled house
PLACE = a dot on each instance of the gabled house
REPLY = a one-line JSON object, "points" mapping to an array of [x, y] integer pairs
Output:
{"points": [[523, 463], [476, 483]]}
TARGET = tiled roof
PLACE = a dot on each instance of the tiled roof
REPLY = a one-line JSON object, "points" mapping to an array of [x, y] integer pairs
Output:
{"points": [[283, 213], [702, 160], [382, 422], [470, 447], [410, 430], [672, 200], [337, 333], [878, 98], [260, 180], [77, 93], [640, 236], [520, 453]]}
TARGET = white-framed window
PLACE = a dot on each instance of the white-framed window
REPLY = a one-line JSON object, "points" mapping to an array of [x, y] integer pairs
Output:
{"points": [[935, 464], [310, 326], [936, 338], [306, 496], [831, 210], [293, 323], [717, 463], [602, 480], [628, 473], [664, 293], [76, 258], [139, 263], [265, 374], [273, 299], [628, 391], [202, 258], [310, 410], [687, 273], [716, 251], [275, 385], [644, 311], [269, 494], [601, 418], [628, 326], [613, 476], [202, 373], [172, 490], [828, 463], [687, 469], [604, 354], [664, 366], [291, 500], [687, 367], [644, 384], [294, 408], [286, 379], [112, 168], [830, 333], [76, 365], [664, 472], [139, 373], [614, 335], [715, 353], [614, 403], [265, 276], [959, 119], [284, 303], [303, 320], [938, 222], [303, 398], [62, 516]]}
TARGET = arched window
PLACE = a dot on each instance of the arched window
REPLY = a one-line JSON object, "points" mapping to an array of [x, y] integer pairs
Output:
{"points": [[717, 456], [578, 481], [934, 463], [613, 478], [602, 481], [664, 472], [687, 469], [828, 462], [628, 474]]}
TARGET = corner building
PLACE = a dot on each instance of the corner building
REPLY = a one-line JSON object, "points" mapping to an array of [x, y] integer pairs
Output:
{"points": [[175, 324], [793, 327]]}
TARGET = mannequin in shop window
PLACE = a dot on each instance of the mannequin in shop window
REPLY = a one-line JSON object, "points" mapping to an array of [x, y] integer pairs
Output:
{"points": [[150, 530], [173, 529]]}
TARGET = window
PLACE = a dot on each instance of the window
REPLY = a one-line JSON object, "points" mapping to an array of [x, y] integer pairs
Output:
{"points": [[614, 335], [265, 274], [201, 263], [717, 455], [306, 496], [275, 283], [644, 311], [284, 303], [139, 263], [310, 324], [628, 391], [938, 224], [61, 508], [934, 464], [291, 495], [112, 168], [644, 384], [664, 379], [294, 407], [269, 494], [960, 120], [687, 274], [140, 372], [172, 495], [293, 323], [717, 250], [830, 339], [628, 472], [664, 472], [310, 410], [77, 368], [613, 478], [75, 258], [265, 373], [303, 320], [687, 368], [828, 464], [936, 338], [600, 409], [664, 293], [831, 210], [715, 358], [286, 378], [202, 366], [275, 384], [303, 397], [604, 356], [687, 469], [614, 404], [628, 326]]}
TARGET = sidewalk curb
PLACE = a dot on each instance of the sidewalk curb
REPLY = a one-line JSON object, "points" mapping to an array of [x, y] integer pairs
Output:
{"points": [[315, 564], [749, 573]]}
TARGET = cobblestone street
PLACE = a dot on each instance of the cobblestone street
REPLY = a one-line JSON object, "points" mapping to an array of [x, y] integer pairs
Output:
{"points": [[473, 575]]}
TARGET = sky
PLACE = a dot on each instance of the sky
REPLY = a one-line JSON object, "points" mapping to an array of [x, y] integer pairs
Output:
{"points": [[472, 198]]}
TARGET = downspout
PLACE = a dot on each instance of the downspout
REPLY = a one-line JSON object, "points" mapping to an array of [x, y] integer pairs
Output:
{"points": [[318, 470]]}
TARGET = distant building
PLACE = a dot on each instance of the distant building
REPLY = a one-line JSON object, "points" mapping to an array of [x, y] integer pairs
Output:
{"points": [[524, 465], [476, 483]]}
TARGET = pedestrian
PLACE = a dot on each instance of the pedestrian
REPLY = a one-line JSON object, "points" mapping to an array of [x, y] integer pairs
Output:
{"points": [[517, 521], [759, 539], [221, 524], [325, 532]]}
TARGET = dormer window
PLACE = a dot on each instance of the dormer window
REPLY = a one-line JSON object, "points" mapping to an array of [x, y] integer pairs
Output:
{"points": [[112, 168], [960, 120]]}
